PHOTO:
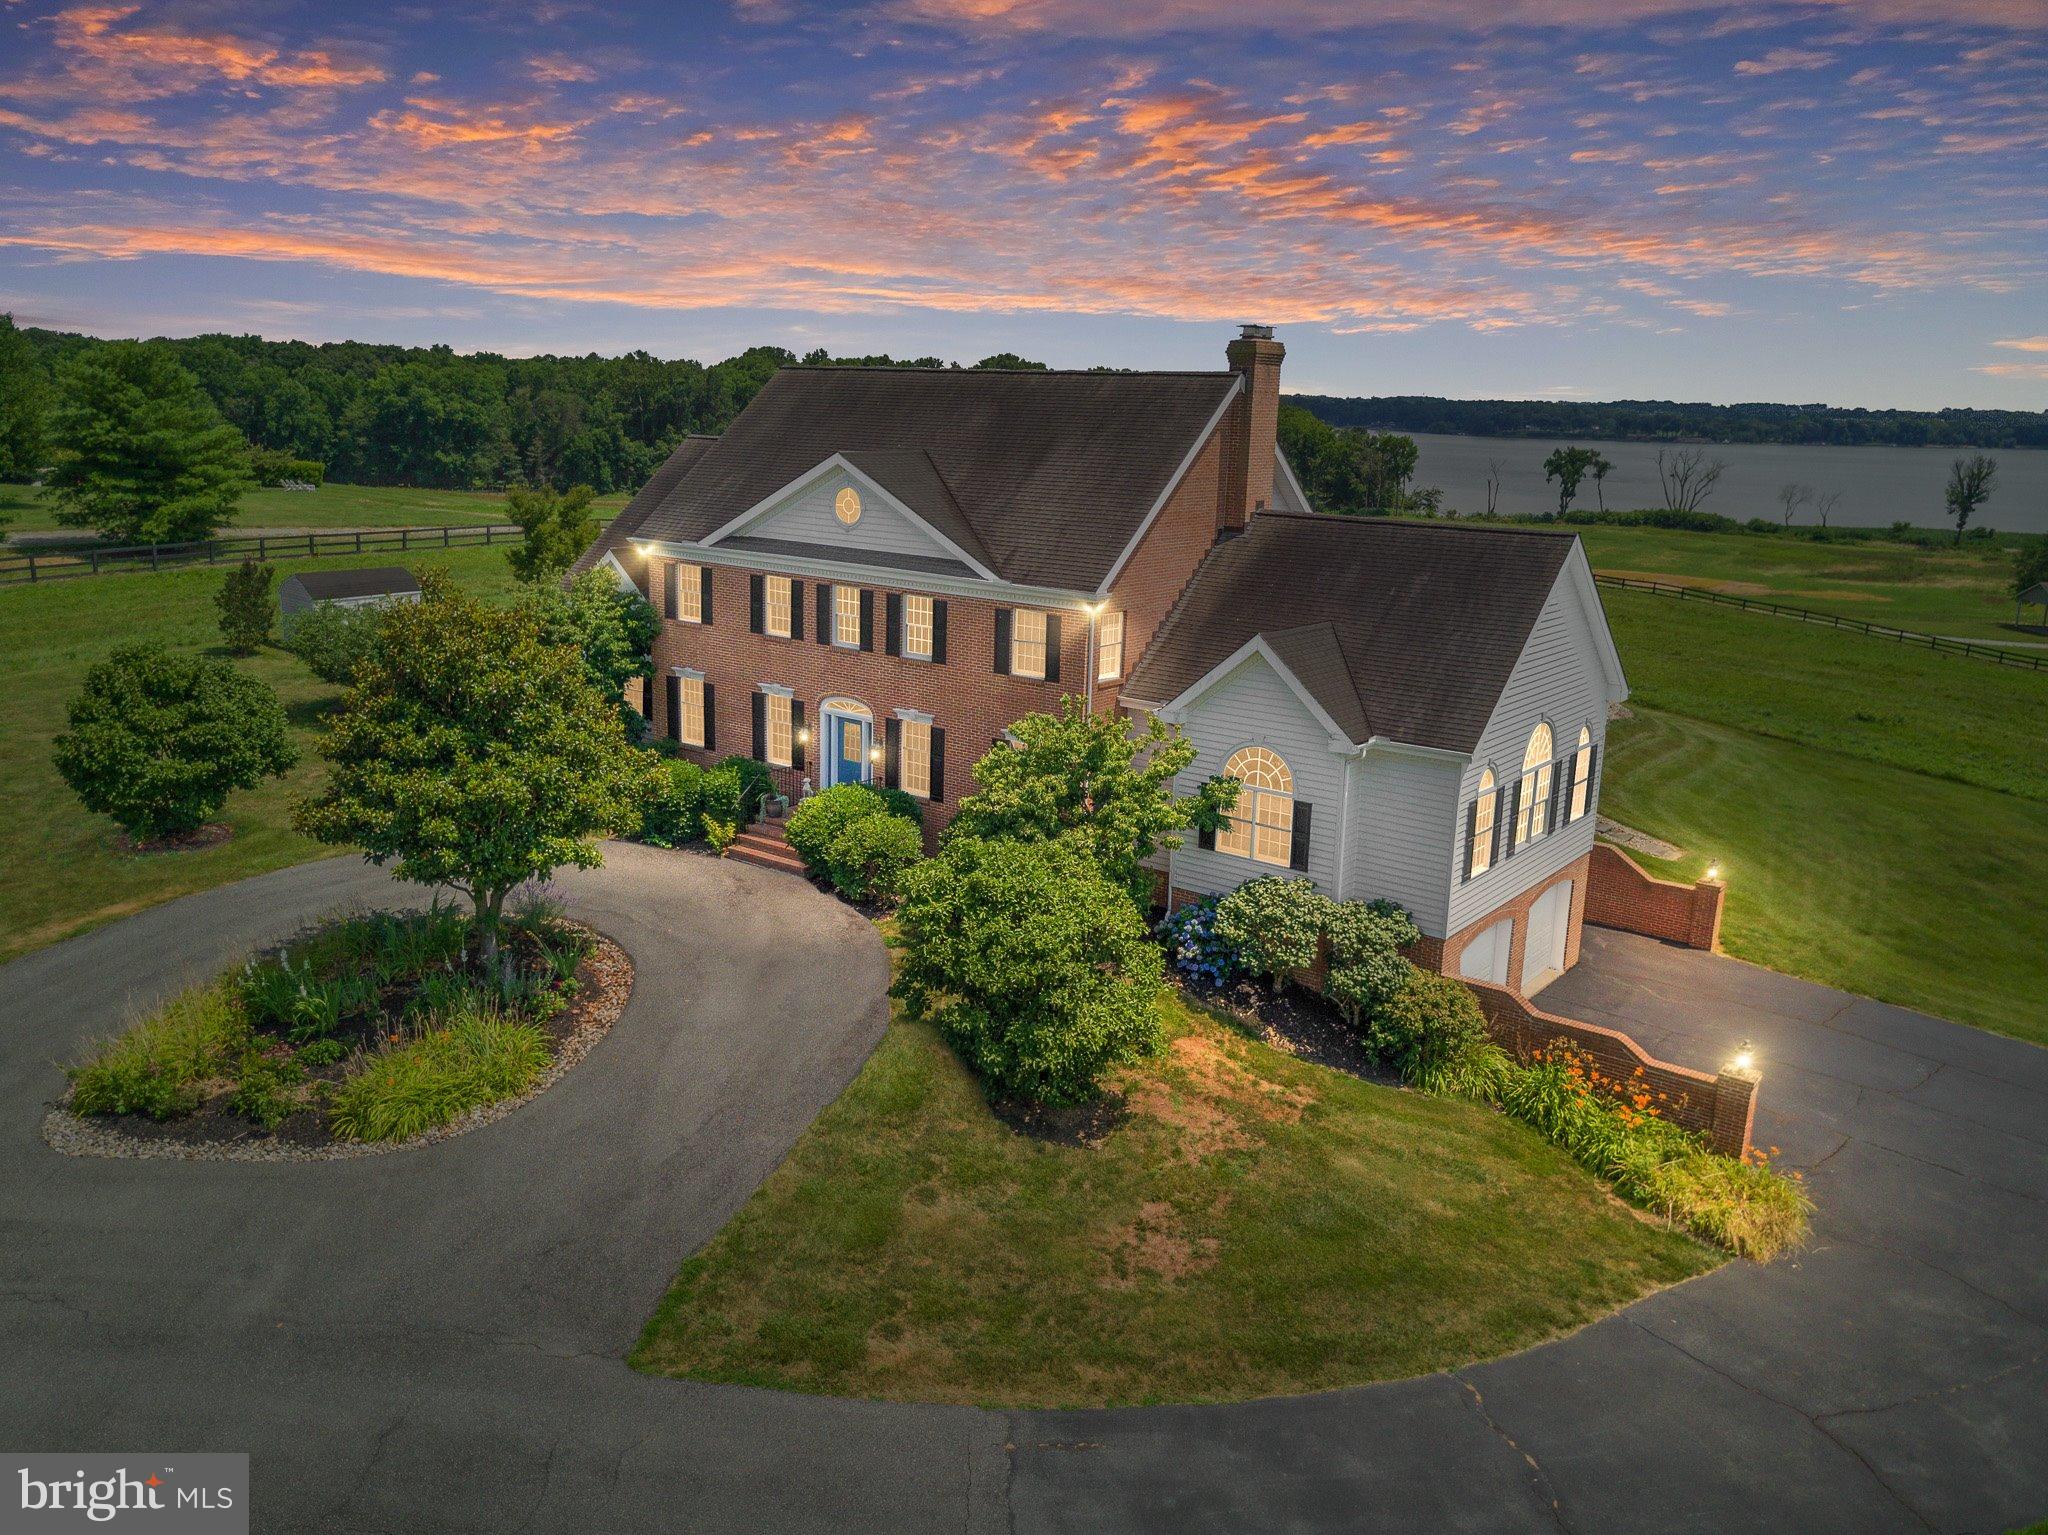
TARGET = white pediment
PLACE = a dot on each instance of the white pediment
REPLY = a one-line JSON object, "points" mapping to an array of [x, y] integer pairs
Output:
{"points": [[836, 506]]}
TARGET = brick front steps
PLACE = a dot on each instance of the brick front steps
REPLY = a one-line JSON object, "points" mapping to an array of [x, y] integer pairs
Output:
{"points": [[765, 845]]}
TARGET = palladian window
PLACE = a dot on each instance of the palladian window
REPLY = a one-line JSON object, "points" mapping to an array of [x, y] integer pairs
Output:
{"points": [[1261, 824]]}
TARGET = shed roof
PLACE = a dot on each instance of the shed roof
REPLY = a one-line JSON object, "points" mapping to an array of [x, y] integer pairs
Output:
{"points": [[2035, 595], [1402, 630], [338, 585]]}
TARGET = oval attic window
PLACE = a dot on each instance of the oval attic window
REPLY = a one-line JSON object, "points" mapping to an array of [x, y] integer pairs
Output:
{"points": [[846, 506]]}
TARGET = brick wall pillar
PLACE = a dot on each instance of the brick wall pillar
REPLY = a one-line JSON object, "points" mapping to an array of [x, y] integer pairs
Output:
{"points": [[1704, 931], [1734, 1111]]}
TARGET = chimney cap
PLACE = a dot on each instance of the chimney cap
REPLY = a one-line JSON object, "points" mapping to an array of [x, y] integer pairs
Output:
{"points": [[1255, 332]]}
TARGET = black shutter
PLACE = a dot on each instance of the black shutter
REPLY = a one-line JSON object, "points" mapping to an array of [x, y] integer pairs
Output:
{"points": [[796, 734], [672, 696], [867, 619], [756, 603], [1471, 836], [1560, 795], [704, 594], [1514, 809], [760, 726], [796, 610], [1592, 773], [647, 698], [826, 597], [1297, 854], [892, 625], [1052, 647], [1003, 620], [939, 632], [938, 764], [710, 716], [1500, 824], [669, 607], [892, 752], [1205, 839]]}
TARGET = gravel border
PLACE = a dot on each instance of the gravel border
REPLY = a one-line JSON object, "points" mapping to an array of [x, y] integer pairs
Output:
{"points": [[611, 975]]}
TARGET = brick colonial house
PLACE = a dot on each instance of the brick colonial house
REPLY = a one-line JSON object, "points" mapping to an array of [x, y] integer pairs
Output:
{"points": [[874, 571]]}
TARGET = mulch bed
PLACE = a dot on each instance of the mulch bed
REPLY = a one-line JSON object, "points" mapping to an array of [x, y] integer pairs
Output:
{"points": [[1080, 1124], [216, 1133], [1299, 1023], [212, 834]]}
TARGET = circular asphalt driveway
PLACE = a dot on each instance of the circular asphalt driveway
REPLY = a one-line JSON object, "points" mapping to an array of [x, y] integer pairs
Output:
{"points": [[433, 1340]]}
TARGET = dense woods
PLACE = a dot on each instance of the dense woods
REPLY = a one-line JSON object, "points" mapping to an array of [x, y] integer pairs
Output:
{"points": [[1671, 421]]}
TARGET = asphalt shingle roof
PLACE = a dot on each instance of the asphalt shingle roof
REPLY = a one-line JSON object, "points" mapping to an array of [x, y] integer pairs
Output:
{"points": [[337, 585], [626, 526], [1043, 477], [1405, 630]]}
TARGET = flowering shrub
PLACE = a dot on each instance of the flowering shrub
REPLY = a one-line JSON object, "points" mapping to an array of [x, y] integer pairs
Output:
{"points": [[1366, 967], [1272, 924], [1194, 948]]}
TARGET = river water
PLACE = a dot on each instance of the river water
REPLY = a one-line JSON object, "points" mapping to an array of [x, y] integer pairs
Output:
{"points": [[1879, 486]]}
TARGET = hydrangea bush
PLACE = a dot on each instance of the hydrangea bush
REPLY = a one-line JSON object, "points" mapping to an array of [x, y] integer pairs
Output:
{"points": [[1195, 949]]}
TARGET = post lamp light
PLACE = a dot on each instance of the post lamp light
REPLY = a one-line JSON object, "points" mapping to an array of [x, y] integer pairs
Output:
{"points": [[1713, 871], [1745, 1058]]}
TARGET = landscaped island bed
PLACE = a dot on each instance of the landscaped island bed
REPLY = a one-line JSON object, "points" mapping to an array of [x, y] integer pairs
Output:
{"points": [[377, 1030], [1248, 1225]]}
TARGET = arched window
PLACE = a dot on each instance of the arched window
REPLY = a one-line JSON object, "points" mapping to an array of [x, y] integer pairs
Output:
{"points": [[1261, 824], [1532, 814], [1479, 847], [1582, 775]]}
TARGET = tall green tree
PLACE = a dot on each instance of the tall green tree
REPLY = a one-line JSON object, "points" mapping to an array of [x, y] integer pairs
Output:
{"points": [[140, 454], [1088, 778], [471, 752], [158, 740], [24, 398], [1569, 467], [555, 527], [1970, 483], [247, 609], [611, 627]]}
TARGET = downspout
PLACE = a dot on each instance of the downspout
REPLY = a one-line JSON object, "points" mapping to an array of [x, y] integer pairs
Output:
{"points": [[1350, 754]]}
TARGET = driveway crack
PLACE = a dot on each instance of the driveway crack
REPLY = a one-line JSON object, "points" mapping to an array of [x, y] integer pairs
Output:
{"points": [[1539, 1480]]}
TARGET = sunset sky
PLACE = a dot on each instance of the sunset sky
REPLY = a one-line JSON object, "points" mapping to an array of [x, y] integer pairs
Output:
{"points": [[1569, 199]]}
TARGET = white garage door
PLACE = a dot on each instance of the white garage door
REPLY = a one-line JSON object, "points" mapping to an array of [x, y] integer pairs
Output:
{"points": [[1543, 956], [1486, 957]]}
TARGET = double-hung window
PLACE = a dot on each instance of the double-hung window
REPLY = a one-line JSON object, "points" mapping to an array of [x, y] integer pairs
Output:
{"points": [[775, 607], [691, 697], [846, 617], [685, 593], [917, 758], [917, 626], [1582, 775], [1027, 643], [781, 734], [1109, 647]]}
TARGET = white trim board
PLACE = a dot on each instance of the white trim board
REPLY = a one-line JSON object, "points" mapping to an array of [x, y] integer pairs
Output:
{"points": [[1256, 646], [851, 573]]}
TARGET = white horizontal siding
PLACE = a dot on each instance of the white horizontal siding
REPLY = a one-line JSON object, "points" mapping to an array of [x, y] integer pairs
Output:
{"points": [[1253, 706], [1404, 817], [807, 517], [1559, 680]]}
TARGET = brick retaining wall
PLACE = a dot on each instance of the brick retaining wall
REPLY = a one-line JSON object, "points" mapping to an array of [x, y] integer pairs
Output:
{"points": [[1619, 894]]}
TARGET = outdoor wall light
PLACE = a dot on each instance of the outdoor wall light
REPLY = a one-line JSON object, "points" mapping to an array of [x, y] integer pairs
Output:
{"points": [[874, 754], [1713, 871], [803, 737], [1745, 1057]]}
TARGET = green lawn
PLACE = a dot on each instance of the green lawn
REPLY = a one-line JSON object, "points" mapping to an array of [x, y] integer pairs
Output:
{"points": [[331, 506], [1944, 715], [1257, 1226], [60, 871], [1962, 592], [1911, 889]]}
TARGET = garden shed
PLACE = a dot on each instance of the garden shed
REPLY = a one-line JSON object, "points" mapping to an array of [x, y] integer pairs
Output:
{"points": [[346, 589], [2035, 596]]}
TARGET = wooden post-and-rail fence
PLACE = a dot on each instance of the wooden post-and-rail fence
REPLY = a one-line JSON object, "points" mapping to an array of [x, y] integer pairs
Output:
{"points": [[22, 564]]}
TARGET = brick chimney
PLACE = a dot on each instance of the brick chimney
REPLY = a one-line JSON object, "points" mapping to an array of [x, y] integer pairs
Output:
{"points": [[1251, 428]]}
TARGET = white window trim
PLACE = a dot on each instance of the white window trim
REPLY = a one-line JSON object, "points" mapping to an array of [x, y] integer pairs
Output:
{"points": [[903, 755], [1479, 858], [683, 698], [840, 608], [689, 592], [1250, 798], [788, 758], [1533, 798], [931, 627], [915, 716], [1017, 643], [788, 629], [1102, 669]]}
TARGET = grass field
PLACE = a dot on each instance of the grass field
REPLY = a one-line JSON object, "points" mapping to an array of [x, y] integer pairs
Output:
{"points": [[1960, 592], [60, 871], [1944, 715], [331, 506], [1912, 889], [1256, 1226]]}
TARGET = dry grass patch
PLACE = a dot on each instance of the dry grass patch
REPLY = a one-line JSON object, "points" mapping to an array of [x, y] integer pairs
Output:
{"points": [[1255, 1225]]}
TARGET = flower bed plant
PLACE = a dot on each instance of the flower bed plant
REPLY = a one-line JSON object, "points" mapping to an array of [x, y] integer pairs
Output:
{"points": [[374, 1028]]}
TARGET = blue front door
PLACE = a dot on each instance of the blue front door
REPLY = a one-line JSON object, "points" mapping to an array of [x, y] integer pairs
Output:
{"points": [[849, 750]]}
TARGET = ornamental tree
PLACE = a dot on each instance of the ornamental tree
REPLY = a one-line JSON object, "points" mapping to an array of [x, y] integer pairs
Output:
{"points": [[472, 753], [611, 627], [557, 525], [1088, 777], [1031, 962], [247, 609], [140, 454], [157, 741]]}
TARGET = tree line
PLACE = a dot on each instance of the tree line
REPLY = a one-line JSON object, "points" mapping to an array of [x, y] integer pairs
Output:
{"points": [[1673, 421]]}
